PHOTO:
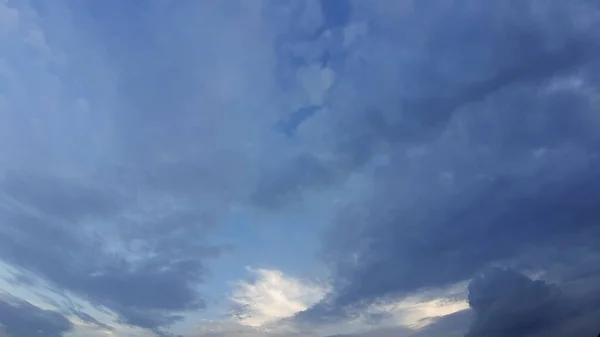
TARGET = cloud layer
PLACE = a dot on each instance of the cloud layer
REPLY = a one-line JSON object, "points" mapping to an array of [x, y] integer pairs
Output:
{"points": [[462, 135], [111, 177], [492, 159]]}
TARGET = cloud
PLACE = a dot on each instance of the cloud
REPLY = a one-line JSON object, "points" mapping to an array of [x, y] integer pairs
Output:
{"points": [[46, 233], [20, 318], [285, 183], [272, 296], [90, 321], [472, 127], [367, 107], [266, 304], [490, 150], [506, 302], [121, 156], [452, 325]]}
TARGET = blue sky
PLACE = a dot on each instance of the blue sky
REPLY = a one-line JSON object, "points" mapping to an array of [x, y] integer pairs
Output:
{"points": [[299, 168]]}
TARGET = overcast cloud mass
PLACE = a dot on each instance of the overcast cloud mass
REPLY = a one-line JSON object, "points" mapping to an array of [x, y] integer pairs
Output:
{"points": [[299, 168]]}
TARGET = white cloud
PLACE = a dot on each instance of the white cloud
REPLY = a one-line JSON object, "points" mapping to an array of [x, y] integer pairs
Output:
{"points": [[273, 296], [42, 295], [403, 316]]}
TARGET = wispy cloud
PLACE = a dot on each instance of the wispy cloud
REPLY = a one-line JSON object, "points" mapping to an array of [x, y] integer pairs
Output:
{"points": [[20, 318]]}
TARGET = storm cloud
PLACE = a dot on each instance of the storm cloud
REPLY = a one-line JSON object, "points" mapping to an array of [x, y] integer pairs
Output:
{"points": [[131, 132], [489, 158], [506, 302]]}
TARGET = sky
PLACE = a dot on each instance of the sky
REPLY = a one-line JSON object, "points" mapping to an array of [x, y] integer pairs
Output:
{"points": [[274, 168]]}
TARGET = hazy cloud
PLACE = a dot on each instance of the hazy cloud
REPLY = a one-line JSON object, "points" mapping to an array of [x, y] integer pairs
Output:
{"points": [[47, 233], [119, 156], [20, 318]]}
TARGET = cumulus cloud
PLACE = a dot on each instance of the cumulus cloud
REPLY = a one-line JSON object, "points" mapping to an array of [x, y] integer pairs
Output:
{"points": [[506, 302]]}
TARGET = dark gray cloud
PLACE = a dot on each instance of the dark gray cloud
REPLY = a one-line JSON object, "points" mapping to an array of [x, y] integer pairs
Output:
{"points": [[22, 319], [429, 116], [492, 157], [506, 302], [58, 245], [407, 84]]}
